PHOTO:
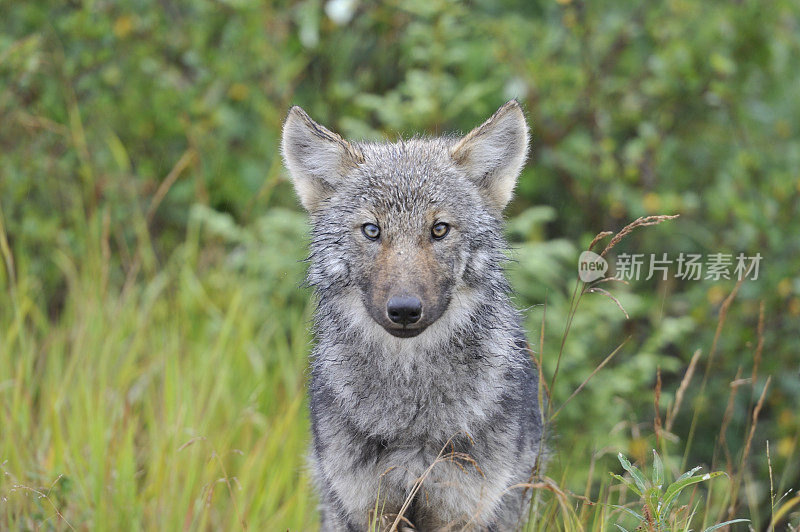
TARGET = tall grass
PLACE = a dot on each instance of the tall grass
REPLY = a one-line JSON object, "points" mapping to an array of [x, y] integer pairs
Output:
{"points": [[168, 394], [173, 401]]}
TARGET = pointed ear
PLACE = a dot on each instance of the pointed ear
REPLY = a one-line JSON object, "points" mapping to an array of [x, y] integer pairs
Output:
{"points": [[493, 153], [317, 159]]}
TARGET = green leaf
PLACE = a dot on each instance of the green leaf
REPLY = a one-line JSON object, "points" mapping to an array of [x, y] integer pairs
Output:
{"points": [[676, 487], [658, 470], [726, 523], [688, 473], [627, 483], [634, 471]]}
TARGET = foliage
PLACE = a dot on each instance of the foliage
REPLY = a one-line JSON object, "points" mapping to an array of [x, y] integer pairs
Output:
{"points": [[151, 244], [658, 502]]}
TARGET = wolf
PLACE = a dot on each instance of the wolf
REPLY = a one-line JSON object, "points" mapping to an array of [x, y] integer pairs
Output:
{"points": [[424, 403]]}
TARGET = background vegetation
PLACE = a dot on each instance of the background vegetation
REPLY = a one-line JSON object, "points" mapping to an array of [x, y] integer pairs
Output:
{"points": [[153, 334]]}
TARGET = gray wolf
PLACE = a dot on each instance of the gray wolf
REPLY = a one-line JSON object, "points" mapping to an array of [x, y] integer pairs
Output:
{"points": [[419, 352]]}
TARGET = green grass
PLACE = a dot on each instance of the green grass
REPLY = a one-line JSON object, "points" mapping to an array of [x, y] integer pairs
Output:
{"points": [[171, 402], [173, 397]]}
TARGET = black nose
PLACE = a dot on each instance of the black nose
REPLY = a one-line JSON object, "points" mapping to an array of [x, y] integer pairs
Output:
{"points": [[404, 309]]}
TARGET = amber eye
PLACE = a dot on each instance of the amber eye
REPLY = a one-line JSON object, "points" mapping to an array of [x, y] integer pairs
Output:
{"points": [[371, 231], [440, 230]]}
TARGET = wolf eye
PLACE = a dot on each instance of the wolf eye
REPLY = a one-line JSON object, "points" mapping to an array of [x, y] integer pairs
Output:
{"points": [[440, 230], [371, 231]]}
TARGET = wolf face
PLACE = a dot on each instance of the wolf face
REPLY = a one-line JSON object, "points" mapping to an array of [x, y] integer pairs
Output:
{"points": [[402, 228]]}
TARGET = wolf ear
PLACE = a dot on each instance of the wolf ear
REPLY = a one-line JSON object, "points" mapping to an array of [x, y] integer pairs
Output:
{"points": [[317, 158], [493, 153]]}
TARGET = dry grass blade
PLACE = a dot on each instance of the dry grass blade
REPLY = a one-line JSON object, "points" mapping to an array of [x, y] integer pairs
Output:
{"points": [[756, 412], [585, 382], [441, 457], [600, 236], [8, 257], [573, 308], [226, 479], [771, 485], [657, 407], [687, 378], [722, 441], [543, 384], [541, 354], [723, 314], [587, 491], [747, 445], [186, 159], [562, 496], [644, 221], [610, 279], [576, 294], [46, 496], [610, 296], [760, 345], [191, 442]]}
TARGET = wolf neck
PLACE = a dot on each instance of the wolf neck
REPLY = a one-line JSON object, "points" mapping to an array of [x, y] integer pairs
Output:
{"points": [[453, 372]]}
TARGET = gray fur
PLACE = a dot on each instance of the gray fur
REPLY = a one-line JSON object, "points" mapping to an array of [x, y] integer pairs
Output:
{"points": [[384, 407]]}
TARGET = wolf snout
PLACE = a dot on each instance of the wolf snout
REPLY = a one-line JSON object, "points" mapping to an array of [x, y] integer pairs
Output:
{"points": [[404, 310]]}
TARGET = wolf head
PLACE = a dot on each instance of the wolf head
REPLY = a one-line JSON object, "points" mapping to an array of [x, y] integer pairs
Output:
{"points": [[400, 229]]}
